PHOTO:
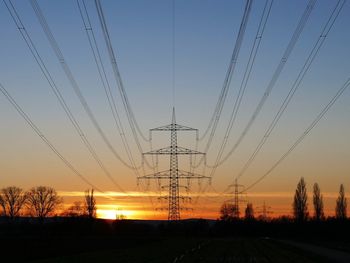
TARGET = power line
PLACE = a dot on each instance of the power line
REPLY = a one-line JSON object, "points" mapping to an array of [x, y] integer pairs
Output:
{"points": [[44, 139], [130, 115], [103, 76], [304, 134], [247, 73], [284, 59], [296, 84], [16, 18], [104, 80], [75, 86], [223, 94]]}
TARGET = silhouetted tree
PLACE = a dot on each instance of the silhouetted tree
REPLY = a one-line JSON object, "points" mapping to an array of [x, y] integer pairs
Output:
{"points": [[12, 199], [42, 201], [318, 203], [227, 211], [120, 216], [341, 204], [75, 210], [300, 202], [90, 203], [249, 211]]}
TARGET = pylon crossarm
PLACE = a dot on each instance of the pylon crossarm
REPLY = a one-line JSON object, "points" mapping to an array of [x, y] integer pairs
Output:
{"points": [[173, 150], [181, 208], [180, 186], [181, 174], [181, 197], [159, 175], [173, 127], [190, 175]]}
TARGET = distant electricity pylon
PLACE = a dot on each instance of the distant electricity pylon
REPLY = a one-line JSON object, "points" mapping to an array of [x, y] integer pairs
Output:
{"points": [[174, 175], [264, 211], [237, 198]]}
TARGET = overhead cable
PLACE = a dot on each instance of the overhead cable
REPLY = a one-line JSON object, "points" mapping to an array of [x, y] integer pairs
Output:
{"points": [[296, 84], [130, 115], [303, 135], [246, 76], [33, 50], [77, 90], [296, 34], [44, 139], [232, 65]]}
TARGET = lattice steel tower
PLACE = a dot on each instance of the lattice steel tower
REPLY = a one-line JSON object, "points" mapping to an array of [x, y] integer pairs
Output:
{"points": [[237, 198], [174, 175]]}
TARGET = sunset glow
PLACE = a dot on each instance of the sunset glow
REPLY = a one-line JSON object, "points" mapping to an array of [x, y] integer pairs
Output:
{"points": [[208, 206], [115, 214]]}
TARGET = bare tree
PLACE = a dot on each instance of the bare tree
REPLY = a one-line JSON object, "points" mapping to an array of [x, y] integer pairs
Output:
{"points": [[227, 211], [75, 210], [341, 204], [12, 199], [90, 203], [249, 212], [300, 209], [42, 201], [318, 203]]}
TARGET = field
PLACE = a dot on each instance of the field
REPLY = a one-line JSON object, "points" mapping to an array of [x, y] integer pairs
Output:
{"points": [[198, 250], [80, 240]]}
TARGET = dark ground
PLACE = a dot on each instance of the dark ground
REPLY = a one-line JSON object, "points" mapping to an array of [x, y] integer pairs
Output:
{"points": [[81, 240]]}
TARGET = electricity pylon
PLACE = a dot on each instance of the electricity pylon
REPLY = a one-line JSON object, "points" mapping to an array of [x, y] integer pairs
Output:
{"points": [[174, 175], [237, 199], [264, 211]]}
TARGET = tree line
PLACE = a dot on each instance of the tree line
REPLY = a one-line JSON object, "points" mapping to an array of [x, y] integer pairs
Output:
{"points": [[41, 202], [300, 206], [300, 203]]}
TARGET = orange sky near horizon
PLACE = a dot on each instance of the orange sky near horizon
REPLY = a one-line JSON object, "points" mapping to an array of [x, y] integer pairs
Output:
{"points": [[207, 206]]}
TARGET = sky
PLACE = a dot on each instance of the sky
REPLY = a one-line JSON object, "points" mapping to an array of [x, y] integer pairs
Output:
{"points": [[205, 32]]}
